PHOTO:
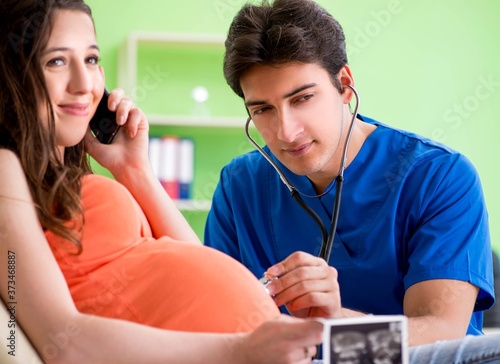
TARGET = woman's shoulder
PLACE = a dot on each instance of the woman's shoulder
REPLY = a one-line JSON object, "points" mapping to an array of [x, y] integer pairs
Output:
{"points": [[10, 169], [8, 158], [13, 183]]}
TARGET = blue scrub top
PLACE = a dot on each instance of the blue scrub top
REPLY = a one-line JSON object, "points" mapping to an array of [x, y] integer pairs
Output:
{"points": [[411, 210]]}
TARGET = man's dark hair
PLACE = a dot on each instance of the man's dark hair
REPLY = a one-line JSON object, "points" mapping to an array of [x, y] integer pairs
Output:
{"points": [[281, 32]]}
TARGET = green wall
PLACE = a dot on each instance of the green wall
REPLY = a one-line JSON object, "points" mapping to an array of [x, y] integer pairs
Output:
{"points": [[428, 66]]}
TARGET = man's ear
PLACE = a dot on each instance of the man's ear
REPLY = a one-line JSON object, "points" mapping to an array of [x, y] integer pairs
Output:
{"points": [[346, 79]]}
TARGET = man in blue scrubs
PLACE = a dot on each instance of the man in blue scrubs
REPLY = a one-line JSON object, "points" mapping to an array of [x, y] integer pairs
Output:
{"points": [[412, 235]]}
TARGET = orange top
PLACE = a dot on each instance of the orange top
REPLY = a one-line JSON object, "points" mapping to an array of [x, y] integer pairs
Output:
{"points": [[123, 272]]}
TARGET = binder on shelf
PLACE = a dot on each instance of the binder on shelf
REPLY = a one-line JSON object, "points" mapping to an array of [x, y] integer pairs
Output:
{"points": [[172, 160], [155, 154], [168, 170], [186, 167]]}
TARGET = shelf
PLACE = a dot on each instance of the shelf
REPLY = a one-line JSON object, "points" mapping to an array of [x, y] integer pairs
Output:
{"points": [[193, 205], [161, 72], [159, 37], [181, 120], [128, 53]]}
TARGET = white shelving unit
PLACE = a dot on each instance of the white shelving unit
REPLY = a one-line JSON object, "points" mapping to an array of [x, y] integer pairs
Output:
{"points": [[128, 53], [127, 80], [215, 122], [127, 73], [193, 205]]}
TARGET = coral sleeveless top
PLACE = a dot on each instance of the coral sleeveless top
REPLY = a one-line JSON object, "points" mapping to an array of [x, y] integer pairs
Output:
{"points": [[123, 272]]}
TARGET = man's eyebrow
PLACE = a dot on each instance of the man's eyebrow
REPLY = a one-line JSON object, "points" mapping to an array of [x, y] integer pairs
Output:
{"points": [[287, 95], [65, 49], [299, 89]]}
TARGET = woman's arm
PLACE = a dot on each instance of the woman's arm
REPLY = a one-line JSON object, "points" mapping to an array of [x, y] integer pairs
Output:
{"points": [[162, 213], [128, 160], [61, 334]]}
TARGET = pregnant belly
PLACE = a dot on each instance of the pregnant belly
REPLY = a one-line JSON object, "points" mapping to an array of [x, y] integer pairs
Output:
{"points": [[179, 286]]}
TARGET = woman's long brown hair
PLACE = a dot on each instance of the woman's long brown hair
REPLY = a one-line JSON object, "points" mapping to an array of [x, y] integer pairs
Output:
{"points": [[25, 26]]}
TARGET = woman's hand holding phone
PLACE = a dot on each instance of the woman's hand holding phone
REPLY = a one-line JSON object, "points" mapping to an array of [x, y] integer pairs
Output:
{"points": [[128, 147], [103, 124]]}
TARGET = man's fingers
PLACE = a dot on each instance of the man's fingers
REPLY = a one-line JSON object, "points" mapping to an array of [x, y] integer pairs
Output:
{"points": [[294, 261]]}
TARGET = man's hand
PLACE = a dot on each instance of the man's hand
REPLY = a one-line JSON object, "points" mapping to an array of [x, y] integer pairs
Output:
{"points": [[307, 285]]}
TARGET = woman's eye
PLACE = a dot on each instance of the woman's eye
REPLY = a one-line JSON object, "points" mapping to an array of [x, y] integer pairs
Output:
{"points": [[55, 62], [93, 60]]}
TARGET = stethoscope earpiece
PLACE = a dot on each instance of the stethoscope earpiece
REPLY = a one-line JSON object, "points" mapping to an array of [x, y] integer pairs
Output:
{"points": [[349, 86]]}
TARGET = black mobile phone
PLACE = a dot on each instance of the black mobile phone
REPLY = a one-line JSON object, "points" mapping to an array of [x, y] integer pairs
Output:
{"points": [[103, 123]]}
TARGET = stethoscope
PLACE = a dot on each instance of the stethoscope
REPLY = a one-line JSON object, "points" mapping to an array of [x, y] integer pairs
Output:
{"points": [[326, 237]]}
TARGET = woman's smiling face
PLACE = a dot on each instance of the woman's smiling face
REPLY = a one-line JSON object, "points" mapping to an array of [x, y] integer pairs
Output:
{"points": [[74, 79]]}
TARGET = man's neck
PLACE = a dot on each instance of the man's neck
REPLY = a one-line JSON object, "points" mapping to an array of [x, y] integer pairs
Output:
{"points": [[361, 131]]}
